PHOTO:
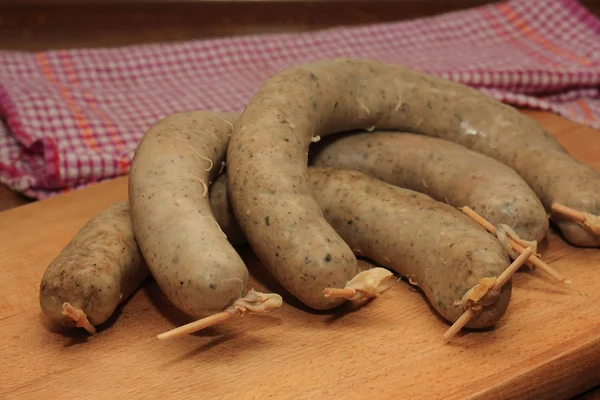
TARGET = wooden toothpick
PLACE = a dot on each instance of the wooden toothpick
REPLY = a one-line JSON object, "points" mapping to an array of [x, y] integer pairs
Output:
{"points": [[253, 302], [471, 311], [590, 221], [535, 260]]}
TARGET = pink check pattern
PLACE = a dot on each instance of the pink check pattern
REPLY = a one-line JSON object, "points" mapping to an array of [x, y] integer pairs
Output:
{"points": [[74, 117]]}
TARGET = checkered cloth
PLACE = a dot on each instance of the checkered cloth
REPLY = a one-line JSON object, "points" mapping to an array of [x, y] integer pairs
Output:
{"points": [[74, 117]]}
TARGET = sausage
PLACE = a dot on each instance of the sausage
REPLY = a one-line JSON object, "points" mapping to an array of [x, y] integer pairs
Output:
{"points": [[186, 251], [267, 156], [433, 244], [107, 243], [446, 257], [443, 170], [522, 144], [558, 178], [99, 268]]}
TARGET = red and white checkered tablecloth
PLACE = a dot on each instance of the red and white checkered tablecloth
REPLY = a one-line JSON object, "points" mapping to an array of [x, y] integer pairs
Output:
{"points": [[73, 117]]}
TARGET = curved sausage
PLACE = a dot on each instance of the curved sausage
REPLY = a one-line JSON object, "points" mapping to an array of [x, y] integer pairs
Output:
{"points": [[431, 243], [99, 268], [446, 171], [267, 156], [186, 251]]}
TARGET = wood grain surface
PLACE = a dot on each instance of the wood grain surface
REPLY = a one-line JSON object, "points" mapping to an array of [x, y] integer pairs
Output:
{"points": [[10, 199], [546, 346]]}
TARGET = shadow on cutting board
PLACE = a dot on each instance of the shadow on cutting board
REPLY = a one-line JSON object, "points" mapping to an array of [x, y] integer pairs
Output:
{"points": [[228, 346], [177, 317], [265, 281], [168, 310], [75, 335]]}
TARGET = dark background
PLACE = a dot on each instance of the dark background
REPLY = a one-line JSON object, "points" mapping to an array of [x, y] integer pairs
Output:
{"points": [[50, 24]]}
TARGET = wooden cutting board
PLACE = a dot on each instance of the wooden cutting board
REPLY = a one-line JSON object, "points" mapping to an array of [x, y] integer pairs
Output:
{"points": [[546, 346]]}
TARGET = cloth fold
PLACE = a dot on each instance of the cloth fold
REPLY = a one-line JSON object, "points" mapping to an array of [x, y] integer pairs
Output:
{"points": [[73, 117]]}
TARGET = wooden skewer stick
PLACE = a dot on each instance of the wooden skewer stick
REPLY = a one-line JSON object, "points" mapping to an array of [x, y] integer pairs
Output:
{"points": [[512, 268], [590, 221], [253, 302], [195, 326], [79, 317], [492, 229], [459, 324], [568, 212], [500, 281], [346, 293], [535, 260]]}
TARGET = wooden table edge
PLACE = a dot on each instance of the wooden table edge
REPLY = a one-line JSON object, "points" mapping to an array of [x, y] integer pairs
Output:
{"points": [[569, 369]]}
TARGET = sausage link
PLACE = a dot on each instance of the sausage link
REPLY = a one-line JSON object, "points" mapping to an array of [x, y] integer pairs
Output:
{"points": [[433, 244], [100, 267], [556, 177], [446, 171], [186, 251]]}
